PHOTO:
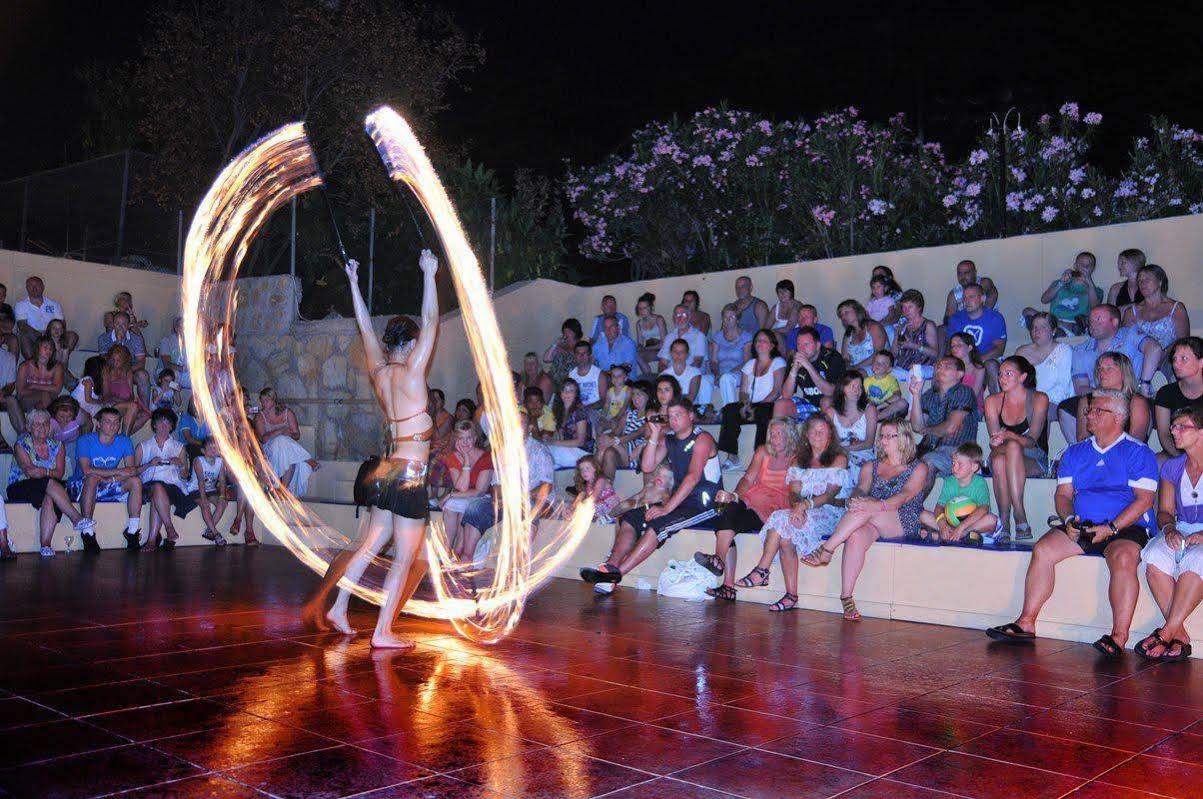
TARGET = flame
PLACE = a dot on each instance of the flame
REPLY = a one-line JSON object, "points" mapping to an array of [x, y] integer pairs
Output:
{"points": [[483, 603]]}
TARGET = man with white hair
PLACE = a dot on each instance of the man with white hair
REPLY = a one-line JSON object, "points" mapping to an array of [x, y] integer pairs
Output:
{"points": [[1106, 488]]}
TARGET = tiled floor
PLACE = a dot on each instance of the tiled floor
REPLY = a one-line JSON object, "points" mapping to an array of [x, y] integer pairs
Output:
{"points": [[187, 674]]}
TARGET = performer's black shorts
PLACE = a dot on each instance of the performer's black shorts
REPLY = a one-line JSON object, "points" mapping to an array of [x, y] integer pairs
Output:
{"points": [[670, 524], [1134, 533], [394, 486]]}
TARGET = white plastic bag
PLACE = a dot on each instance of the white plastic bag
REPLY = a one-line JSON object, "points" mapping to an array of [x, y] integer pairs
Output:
{"points": [[685, 580]]}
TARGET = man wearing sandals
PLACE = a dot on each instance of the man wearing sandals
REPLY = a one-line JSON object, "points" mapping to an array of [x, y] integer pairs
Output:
{"points": [[1106, 487], [693, 457]]}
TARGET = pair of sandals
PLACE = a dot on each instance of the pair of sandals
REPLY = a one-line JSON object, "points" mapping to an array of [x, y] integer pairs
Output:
{"points": [[214, 536], [1012, 633], [759, 578], [714, 565], [1168, 653]]}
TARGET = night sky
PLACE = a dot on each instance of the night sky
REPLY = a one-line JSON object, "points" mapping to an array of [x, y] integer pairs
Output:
{"points": [[571, 80]]}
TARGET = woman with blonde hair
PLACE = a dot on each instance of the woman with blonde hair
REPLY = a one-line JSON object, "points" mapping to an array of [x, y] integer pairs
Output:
{"points": [[1113, 371], [863, 336]]}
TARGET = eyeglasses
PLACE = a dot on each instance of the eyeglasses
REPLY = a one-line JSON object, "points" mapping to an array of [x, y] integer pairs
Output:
{"points": [[1097, 411], [1178, 427], [889, 435]]}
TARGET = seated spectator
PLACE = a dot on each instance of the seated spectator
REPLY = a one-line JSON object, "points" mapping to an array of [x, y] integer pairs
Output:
{"points": [[573, 438], [36, 478], [590, 380], [693, 456], [1160, 318], [1018, 449], [752, 311], [6, 546], [863, 337], [613, 348], [123, 336], [8, 389], [946, 415], [56, 331], [533, 375], [730, 347], [88, 390], [1106, 487], [166, 392], [810, 379], [854, 418], [106, 337], [33, 315], [609, 307], [818, 489], [915, 338], [542, 416], [885, 505], [761, 378], [8, 339], [657, 488], [967, 276], [484, 512], [618, 400], [1174, 558], [1106, 335], [1052, 359], [108, 472], [688, 376], [699, 349], [465, 410], [808, 316], [698, 318], [588, 480], [985, 326], [560, 356], [962, 512], [784, 313], [961, 347], [39, 381], [207, 489], [164, 467], [67, 424], [1126, 292], [761, 491], [1113, 371], [650, 330], [1070, 297], [4, 306], [882, 388], [1186, 359], [123, 302], [192, 432], [171, 352], [443, 421], [279, 435], [622, 447], [470, 465], [665, 389], [884, 294]]}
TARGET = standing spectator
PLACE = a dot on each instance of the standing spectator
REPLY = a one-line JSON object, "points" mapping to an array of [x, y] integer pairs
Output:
{"points": [[39, 381], [1052, 359], [1186, 359], [1174, 559], [1071, 296], [34, 313], [784, 313], [591, 381], [1160, 318], [1106, 487], [808, 316], [961, 347], [695, 338], [1126, 292], [915, 338], [1106, 335], [279, 435], [697, 317], [862, 335], [171, 353], [946, 414], [471, 467], [534, 376], [36, 478], [730, 349], [1113, 371], [854, 419], [560, 356], [810, 379], [885, 505], [609, 307], [107, 472], [622, 447], [967, 276], [207, 489], [1018, 449], [752, 311], [614, 347], [573, 438], [164, 467], [985, 326], [761, 491], [122, 335], [761, 379], [650, 330]]}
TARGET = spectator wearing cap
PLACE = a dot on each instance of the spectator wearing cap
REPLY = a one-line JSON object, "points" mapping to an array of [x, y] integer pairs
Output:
{"points": [[33, 315]]}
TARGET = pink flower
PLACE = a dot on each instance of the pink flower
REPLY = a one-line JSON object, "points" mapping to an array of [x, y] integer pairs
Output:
{"points": [[1070, 111], [823, 215]]}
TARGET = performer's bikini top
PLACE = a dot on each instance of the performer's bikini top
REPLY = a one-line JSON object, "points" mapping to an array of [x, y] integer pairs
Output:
{"points": [[421, 435]]}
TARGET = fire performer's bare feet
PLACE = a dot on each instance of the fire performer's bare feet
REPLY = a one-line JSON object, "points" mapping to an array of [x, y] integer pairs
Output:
{"points": [[313, 617], [338, 620], [390, 641]]}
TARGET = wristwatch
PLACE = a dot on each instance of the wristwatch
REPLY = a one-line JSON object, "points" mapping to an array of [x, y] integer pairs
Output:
{"points": [[1114, 529]]}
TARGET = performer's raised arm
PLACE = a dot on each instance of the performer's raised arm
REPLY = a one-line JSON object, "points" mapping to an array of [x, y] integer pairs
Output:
{"points": [[371, 345], [424, 347]]}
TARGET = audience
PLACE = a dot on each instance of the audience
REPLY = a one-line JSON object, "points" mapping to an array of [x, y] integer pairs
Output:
{"points": [[784, 313], [1186, 359], [534, 376], [5, 308], [1071, 296], [752, 311], [808, 316], [863, 337], [650, 330], [688, 376], [967, 276], [171, 353], [810, 379], [818, 487], [693, 337], [962, 513], [207, 489], [573, 438], [730, 348], [1174, 558], [614, 347], [761, 378], [590, 380], [1018, 449], [622, 447], [760, 492], [961, 347], [8, 339], [123, 302], [561, 356], [1113, 371], [33, 315], [882, 387], [946, 414], [618, 401], [1106, 335], [915, 338], [589, 481], [697, 317], [8, 389], [1160, 318], [1052, 359], [985, 326], [56, 331], [1105, 493], [107, 472], [609, 307], [470, 466], [36, 477], [884, 294], [279, 435], [39, 381], [542, 416], [164, 467], [854, 419], [1126, 291]]}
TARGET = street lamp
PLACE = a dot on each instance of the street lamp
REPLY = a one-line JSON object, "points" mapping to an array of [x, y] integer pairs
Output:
{"points": [[1002, 158]]}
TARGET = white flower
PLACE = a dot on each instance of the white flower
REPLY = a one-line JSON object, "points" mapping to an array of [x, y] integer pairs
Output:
{"points": [[1087, 193], [878, 207]]}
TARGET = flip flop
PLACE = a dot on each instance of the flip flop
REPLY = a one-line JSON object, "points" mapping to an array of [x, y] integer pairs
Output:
{"points": [[1011, 634], [1151, 640], [1111, 650], [1184, 651], [595, 576]]}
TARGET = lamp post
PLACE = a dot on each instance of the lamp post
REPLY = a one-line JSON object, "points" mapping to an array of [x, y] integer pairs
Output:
{"points": [[1001, 124]]}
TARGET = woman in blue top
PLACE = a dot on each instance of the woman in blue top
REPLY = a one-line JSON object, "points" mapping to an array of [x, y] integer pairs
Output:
{"points": [[36, 477]]}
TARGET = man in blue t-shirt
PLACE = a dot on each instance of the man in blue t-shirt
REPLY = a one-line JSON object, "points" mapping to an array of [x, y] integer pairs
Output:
{"points": [[107, 473], [985, 326], [1106, 487], [808, 316]]}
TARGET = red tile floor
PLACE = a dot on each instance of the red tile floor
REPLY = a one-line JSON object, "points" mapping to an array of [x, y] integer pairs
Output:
{"points": [[187, 674]]}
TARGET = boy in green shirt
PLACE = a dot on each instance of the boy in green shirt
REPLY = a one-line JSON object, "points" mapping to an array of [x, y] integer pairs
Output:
{"points": [[963, 511]]}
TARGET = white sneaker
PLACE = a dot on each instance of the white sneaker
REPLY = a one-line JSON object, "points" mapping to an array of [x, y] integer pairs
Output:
{"points": [[47, 552], [84, 525], [603, 588]]}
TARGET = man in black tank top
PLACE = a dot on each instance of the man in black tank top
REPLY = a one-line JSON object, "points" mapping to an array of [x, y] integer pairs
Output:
{"points": [[697, 478]]}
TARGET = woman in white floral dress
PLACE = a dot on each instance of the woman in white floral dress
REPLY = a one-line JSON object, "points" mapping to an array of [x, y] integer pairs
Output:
{"points": [[818, 485]]}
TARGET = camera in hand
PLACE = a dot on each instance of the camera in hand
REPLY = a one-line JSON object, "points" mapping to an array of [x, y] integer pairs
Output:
{"points": [[658, 418]]}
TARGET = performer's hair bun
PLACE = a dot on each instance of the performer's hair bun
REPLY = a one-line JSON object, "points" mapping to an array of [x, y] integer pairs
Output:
{"points": [[400, 331]]}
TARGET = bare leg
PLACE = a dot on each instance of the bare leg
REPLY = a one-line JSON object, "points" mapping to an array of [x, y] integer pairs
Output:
{"points": [[1002, 484], [854, 557], [1187, 595], [16, 414], [772, 544], [451, 530], [407, 540], [624, 542], [380, 526], [642, 551], [87, 498], [286, 478], [725, 552], [469, 537], [57, 494], [162, 506], [1069, 425], [1152, 352], [47, 520], [789, 566], [1122, 559], [1050, 550], [1161, 585], [313, 612]]}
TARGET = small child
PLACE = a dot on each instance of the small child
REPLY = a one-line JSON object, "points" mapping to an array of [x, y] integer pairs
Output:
{"points": [[618, 399], [165, 393], [657, 488], [881, 301], [963, 511], [590, 481], [883, 389], [208, 489]]}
